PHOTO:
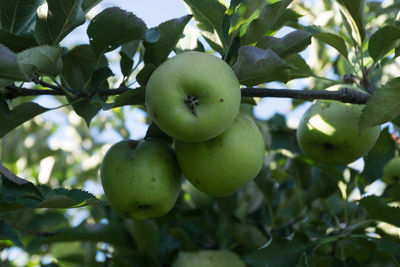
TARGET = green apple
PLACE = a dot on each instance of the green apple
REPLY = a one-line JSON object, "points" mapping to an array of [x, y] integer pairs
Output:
{"points": [[193, 96], [328, 133], [220, 166], [391, 171], [208, 258], [141, 179]]}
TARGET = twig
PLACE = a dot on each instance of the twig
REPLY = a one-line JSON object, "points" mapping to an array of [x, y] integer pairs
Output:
{"points": [[345, 95], [30, 231], [282, 227]]}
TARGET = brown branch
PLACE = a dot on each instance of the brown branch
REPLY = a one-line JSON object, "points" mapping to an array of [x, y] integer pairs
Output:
{"points": [[282, 227], [30, 231], [345, 95]]}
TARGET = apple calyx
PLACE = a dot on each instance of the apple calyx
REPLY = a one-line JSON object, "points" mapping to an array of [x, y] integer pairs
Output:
{"points": [[192, 102]]}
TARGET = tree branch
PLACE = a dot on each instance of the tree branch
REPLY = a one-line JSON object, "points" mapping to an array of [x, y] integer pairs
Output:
{"points": [[345, 95]]}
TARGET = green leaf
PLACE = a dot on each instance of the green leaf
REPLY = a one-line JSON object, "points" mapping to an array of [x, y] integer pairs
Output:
{"points": [[131, 97], [62, 17], [15, 15], [383, 106], [127, 53], [210, 16], [79, 65], [353, 11], [99, 101], [114, 27], [280, 252], [87, 5], [383, 41], [7, 232], [268, 17], [255, 66], [378, 209], [298, 67], [329, 37], [63, 198], [288, 16], [86, 109], [170, 33], [291, 43], [17, 193], [114, 233], [143, 76], [155, 132], [39, 59], [248, 236], [378, 156], [17, 43], [20, 114], [4, 110], [9, 67]]}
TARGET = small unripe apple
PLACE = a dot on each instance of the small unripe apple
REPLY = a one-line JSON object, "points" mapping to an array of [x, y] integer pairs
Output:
{"points": [[193, 96], [220, 166], [141, 179], [208, 258], [328, 133], [391, 171]]}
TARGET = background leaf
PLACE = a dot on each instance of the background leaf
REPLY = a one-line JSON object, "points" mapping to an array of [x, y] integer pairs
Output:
{"points": [[291, 43], [382, 41], [62, 17], [354, 12], [39, 59], [170, 33], [9, 67], [19, 115], [378, 156], [383, 106], [210, 16], [281, 252], [87, 5], [15, 15], [329, 37], [255, 66], [268, 17], [378, 209], [17, 43], [7, 232], [114, 27]]}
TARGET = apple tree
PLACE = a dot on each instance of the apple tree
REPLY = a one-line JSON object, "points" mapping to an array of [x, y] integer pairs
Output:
{"points": [[237, 190]]}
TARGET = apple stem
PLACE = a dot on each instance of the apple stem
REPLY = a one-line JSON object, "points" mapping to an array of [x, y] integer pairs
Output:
{"points": [[192, 102]]}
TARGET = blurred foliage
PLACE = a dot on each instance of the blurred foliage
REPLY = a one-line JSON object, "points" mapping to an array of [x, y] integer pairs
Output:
{"points": [[296, 212]]}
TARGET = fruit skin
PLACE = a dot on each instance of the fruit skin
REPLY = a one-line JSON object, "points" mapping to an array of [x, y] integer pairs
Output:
{"points": [[328, 133], [208, 258], [220, 166], [141, 179], [391, 171], [193, 96]]}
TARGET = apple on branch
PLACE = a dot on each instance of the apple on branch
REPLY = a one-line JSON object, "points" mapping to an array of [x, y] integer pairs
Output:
{"points": [[221, 165], [193, 96], [328, 133], [141, 179]]}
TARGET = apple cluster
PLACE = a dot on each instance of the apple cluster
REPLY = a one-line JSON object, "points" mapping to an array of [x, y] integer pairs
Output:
{"points": [[193, 97]]}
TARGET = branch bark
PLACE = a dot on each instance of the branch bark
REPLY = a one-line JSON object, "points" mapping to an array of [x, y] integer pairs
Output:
{"points": [[346, 95]]}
